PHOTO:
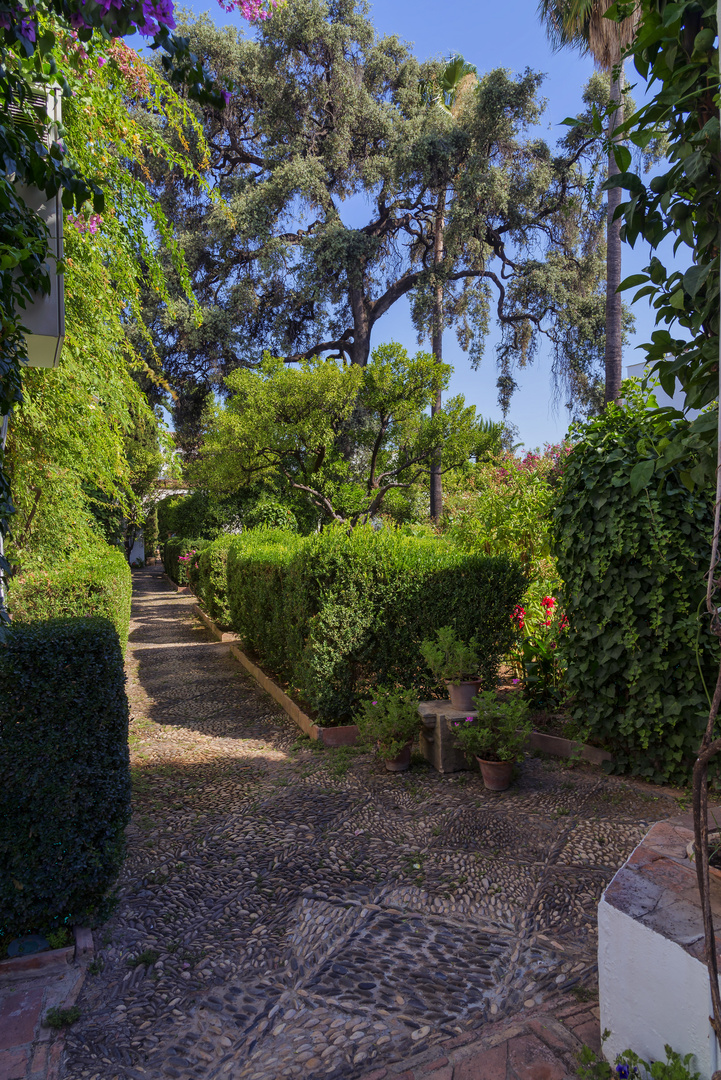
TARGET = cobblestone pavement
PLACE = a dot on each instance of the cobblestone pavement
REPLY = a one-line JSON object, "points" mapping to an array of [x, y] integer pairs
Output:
{"points": [[287, 911]]}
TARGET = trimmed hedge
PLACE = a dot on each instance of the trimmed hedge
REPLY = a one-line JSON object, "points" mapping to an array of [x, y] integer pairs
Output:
{"points": [[65, 795], [97, 582], [176, 569], [213, 579], [633, 567], [337, 613]]}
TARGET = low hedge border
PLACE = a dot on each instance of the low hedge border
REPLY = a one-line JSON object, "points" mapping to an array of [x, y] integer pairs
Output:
{"points": [[336, 614], [94, 583], [65, 799]]}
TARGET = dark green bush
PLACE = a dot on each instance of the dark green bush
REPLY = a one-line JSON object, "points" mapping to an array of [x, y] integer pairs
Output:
{"points": [[633, 568], [65, 795], [178, 567], [336, 614], [95, 582], [213, 579]]}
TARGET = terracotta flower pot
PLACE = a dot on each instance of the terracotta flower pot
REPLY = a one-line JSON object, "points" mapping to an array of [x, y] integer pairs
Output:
{"points": [[463, 693], [403, 761], [497, 775]]}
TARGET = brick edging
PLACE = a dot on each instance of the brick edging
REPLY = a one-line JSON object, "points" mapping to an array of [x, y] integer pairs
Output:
{"points": [[345, 735]]}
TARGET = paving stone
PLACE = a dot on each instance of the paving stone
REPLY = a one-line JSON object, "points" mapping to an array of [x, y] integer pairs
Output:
{"points": [[484, 1065], [19, 1017], [589, 1034], [13, 1063], [529, 1059]]}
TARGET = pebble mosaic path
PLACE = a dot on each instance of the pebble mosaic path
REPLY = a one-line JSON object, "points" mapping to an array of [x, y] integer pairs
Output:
{"points": [[287, 911]]}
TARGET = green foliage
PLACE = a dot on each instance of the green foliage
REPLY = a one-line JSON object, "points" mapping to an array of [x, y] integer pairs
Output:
{"points": [[450, 658], [180, 558], [388, 721], [500, 731], [150, 533], [539, 653], [341, 435], [65, 799], [506, 506], [199, 514], [94, 582], [270, 514], [61, 1018], [632, 562], [340, 612], [674, 50], [213, 579], [629, 1066]]}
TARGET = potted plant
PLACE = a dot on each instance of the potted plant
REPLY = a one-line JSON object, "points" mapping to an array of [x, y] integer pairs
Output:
{"points": [[496, 736], [456, 662], [388, 723]]}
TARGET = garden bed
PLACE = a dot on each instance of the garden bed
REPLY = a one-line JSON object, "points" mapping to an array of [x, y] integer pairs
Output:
{"points": [[49, 960], [347, 734]]}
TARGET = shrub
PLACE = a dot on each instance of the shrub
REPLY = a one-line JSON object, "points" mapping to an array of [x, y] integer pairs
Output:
{"points": [[176, 563], [93, 582], [197, 514], [270, 514], [213, 579], [388, 722], [65, 799], [338, 613], [150, 533], [633, 569]]}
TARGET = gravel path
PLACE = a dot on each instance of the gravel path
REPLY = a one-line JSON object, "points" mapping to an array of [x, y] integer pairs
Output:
{"points": [[290, 911]]}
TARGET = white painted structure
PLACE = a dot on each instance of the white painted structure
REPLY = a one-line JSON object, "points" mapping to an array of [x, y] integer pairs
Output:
{"points": [[637, 371], [653, 993]]}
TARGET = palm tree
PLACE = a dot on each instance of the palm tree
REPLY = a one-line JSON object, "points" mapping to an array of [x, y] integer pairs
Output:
{"points": [[581, 24], [445, 93]]}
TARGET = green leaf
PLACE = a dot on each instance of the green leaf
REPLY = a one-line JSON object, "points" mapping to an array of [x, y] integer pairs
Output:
{"points": [[631, 280], [694, 278], [641, 475], [622, 157]]}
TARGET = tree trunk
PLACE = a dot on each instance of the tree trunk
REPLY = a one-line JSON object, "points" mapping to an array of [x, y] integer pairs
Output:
{"points": [[361, 347], [437, 347], [614, 347]]}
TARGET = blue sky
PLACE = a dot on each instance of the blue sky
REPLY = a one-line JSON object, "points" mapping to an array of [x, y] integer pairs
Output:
{"points": [[491, 35]]}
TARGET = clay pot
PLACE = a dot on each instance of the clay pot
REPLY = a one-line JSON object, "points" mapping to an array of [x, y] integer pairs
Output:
{"points": [[463, 693], [497, 775], [403, 761]]}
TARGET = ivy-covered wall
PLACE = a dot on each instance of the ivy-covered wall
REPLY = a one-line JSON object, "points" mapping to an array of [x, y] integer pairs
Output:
{"points": [[633, 568]]}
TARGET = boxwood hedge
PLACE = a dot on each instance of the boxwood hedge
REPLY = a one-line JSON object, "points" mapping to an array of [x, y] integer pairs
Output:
{"points": [[174, 563], [65, 795], [337, 613], [212, 583], [95, 582]]}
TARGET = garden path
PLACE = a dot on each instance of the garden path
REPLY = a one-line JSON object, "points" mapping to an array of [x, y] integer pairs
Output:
{"points": [[290, 911]]}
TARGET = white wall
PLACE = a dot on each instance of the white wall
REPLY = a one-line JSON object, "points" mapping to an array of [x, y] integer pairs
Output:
{"points": [[652, 993]]}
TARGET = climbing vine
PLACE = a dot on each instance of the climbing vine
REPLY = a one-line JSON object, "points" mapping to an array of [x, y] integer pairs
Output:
{"points": [[632, 572]]}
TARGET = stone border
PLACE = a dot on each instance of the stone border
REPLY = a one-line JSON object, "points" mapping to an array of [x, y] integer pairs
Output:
{"points": [[556, 744], [52, 960], [339, 736], [176, 587]]}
